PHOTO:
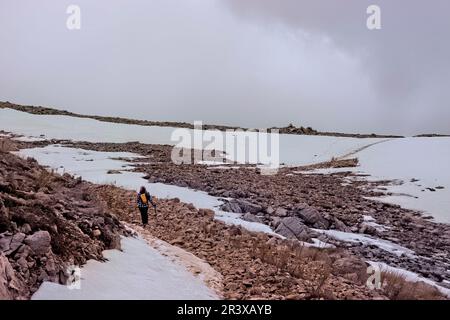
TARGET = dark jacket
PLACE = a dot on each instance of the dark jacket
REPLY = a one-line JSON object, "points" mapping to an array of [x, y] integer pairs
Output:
{"points": [[141, 204]]}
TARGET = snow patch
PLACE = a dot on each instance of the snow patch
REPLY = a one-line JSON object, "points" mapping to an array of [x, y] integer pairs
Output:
{"points": [[370, 221], [138, 272], [358, 238]]}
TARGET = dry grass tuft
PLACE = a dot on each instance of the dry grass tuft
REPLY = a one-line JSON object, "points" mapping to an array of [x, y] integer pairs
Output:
{"points": [[44, 180], [396, 287], [7, 145]]}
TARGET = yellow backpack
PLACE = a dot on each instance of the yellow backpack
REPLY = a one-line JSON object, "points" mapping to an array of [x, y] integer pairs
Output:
{"points": [[144, 198]]}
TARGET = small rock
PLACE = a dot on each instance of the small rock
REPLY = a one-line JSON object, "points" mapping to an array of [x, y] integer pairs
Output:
{"points": [[276, 221], [177, 241], [312, 217], [366, 229], [281, 212], [39, 242], [270, 210], [340, 225], [113, 172], [25, 228], [96, 233], [16, 242], [5, 241]]}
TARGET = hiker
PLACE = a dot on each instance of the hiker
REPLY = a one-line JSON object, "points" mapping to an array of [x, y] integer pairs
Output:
{"points": [[143, 200]]}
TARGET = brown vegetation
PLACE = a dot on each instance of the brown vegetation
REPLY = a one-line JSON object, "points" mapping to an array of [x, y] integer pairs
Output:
{"points": [[396, 287]]}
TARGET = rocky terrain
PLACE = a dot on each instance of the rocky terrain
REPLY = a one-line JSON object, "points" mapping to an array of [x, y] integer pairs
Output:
{"points": [[290, 129], [294, 204], [310, 201], [252, 265], [304, 201], [260, 266], [48, 222]]}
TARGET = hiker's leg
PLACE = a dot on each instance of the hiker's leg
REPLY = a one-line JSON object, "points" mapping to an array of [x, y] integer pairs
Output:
{"points": [[145, 216]]}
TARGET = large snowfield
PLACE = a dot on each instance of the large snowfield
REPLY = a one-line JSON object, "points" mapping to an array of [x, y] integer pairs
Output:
{"points": [[294, 149], [424, 159], [418, 167]]}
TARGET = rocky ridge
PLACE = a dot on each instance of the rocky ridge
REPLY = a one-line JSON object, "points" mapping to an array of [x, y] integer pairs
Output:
{"points": [[290, 129]]}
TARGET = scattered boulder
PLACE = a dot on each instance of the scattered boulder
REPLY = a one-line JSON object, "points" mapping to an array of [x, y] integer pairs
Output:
{"points": [[39, 242], [367, 229], [312, 217], [16, 242], [247, 206], [240, 206], [293, 228], [5, 241], [270, 210], [251, 218], [339, 225], [231, 206]]}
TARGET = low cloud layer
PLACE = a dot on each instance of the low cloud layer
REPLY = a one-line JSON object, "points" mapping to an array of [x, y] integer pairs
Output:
{"points": [[252, 63]]}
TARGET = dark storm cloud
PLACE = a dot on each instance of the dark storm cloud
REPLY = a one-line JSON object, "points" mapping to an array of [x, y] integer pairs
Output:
{"points": [[407, 60]]}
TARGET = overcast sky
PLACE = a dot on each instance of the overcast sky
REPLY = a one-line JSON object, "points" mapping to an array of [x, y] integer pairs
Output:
{"points": [[253, 63]]}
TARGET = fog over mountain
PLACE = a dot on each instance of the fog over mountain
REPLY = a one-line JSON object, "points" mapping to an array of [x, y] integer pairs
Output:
{"points": [[253, 63]]}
